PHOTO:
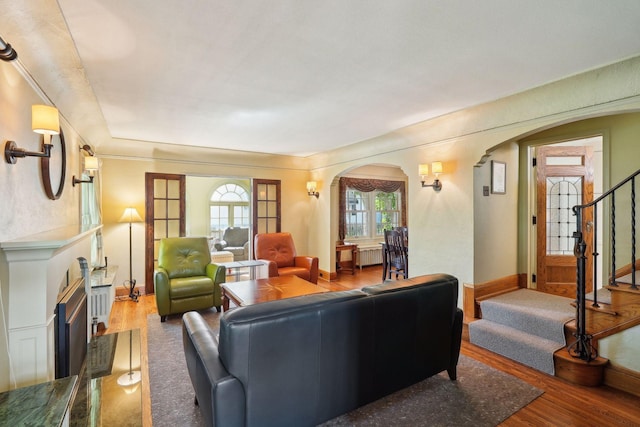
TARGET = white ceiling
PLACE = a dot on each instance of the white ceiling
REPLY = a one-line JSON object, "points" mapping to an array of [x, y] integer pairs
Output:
{"points": [[300, 76]]}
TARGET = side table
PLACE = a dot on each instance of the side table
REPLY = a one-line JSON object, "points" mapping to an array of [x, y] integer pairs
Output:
{"points": [[347, 264]]}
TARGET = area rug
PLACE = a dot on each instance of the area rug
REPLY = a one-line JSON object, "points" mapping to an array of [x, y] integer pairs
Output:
{"points": [[481, 396]]}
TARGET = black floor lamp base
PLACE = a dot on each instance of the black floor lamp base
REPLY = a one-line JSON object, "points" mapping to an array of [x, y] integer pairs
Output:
{"points": [[133, 293]]}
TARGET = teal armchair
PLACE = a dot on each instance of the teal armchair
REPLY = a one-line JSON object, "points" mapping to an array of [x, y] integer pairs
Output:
{"points": [[186, 279]]}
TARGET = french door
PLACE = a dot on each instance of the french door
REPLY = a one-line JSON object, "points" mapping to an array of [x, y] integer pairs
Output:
{"points": [[564, 178], [266, 206], [165, 216]]}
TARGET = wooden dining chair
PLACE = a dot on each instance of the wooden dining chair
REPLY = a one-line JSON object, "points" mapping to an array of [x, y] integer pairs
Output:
{"points": [[396, 257]]}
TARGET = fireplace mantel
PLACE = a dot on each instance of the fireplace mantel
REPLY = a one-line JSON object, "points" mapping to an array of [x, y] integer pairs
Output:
{"points": [[37, 266], [47, 242]]}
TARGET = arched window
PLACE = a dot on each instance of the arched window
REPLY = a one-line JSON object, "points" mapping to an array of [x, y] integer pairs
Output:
{"points": [[229, 207]]}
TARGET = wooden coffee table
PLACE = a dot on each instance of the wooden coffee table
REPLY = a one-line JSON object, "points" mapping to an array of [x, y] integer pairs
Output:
{"points": [[250, 292]]}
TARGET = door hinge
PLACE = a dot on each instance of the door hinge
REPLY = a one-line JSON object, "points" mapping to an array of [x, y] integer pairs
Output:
{"points": [[534, 220], [534, 162], [533, 278]]}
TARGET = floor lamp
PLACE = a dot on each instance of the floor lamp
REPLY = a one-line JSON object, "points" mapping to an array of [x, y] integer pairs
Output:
{"points": [[131, 215]]}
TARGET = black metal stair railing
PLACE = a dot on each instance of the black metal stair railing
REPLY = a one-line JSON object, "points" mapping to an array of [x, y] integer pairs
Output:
{"points": [[582, 348]]}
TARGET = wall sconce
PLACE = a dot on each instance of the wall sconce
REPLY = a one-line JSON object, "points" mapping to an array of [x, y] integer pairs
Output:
{"points": [[45, 121], [311, 189], [7, 53], [90, 165], [436, 168]]}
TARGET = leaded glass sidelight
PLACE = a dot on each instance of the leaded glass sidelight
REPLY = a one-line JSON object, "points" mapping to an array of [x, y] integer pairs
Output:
{"points": [[563, 193]]}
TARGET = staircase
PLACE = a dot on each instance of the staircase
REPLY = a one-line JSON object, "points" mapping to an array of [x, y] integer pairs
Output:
{"points": [[524, 325], [517, 333]]}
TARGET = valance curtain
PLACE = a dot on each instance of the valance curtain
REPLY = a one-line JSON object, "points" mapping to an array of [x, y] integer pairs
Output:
{"points": [[367, 185]]}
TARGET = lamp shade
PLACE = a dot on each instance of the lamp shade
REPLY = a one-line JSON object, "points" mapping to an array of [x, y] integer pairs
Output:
{"points": [[423, 170], [436, 168], [45, 120], [91, 163], [130, 215], [311, 186]]}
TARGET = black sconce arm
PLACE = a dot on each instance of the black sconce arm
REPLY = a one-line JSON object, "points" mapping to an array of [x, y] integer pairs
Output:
{"points": [[12, 152]]}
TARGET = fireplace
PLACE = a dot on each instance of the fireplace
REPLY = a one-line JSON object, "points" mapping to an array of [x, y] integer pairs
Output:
{"points": [[35, 267], [70, 330]]}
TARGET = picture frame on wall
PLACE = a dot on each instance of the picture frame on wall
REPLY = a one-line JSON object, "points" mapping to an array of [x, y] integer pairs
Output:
{"points": [[498, 177]]}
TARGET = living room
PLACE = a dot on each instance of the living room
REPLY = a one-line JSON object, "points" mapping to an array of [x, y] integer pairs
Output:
{"points": [[457, 230]]}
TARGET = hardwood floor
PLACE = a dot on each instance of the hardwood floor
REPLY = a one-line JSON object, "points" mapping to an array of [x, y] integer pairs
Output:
{"points": [[562, 404]]}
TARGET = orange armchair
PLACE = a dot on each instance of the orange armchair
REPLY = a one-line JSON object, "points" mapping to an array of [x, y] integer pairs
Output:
{"points": [[279, 251]]}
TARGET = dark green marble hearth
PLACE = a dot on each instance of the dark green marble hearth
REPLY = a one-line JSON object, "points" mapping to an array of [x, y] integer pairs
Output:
{"points": [[44, 404]]}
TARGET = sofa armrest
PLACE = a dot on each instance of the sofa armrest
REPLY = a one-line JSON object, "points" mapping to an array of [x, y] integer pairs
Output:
{"points": [[310, 263], [456, 339], [272, 267], [217, 273], [219, 394], [161, 288]]}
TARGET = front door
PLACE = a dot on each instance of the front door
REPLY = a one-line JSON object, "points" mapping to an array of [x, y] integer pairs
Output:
{"points": [[564, 179]]}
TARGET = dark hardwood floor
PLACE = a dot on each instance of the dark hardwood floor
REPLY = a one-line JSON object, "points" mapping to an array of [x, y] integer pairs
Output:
{"points": [[562, 404]]}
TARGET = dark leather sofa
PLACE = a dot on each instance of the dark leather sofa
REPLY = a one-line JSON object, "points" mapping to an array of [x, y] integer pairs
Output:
{"points": [[306, 360]]}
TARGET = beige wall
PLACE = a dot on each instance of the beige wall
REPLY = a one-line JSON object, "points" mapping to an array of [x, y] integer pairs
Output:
{"points": [[495, 218]]}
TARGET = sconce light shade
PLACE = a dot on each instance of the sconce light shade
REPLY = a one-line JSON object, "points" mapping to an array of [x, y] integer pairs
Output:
{"points": [[91, 163], [130, 215], [423, 171], [311, 189], [436, 169], [45, 120]]}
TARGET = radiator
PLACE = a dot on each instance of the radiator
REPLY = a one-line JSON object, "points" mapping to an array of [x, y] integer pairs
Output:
{"points": [[369, 256], [101, 305]]}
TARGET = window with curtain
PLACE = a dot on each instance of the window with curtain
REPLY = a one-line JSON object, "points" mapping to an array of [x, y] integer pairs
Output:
{"points": [[90, 215], [368, 214], [369, 206]]}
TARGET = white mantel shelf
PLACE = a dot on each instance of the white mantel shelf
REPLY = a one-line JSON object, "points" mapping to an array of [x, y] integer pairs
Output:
{"points": [[37, 266], [51, 240]]}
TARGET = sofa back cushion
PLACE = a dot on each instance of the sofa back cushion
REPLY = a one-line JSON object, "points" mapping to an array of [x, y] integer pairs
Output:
{"points": [[236, 236], [184, 256], [294, 357], [417, 316], [277, 247]]}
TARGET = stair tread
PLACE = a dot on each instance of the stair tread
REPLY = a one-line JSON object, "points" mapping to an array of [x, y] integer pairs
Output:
{"points": [[528, 349], [531, 312], [514, 334]]}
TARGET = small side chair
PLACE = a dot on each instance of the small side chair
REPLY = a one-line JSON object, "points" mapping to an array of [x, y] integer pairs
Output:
{"points": [[186, 279]]}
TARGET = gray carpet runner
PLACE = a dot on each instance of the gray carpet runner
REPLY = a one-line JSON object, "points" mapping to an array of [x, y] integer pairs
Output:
{"points": [[525, 325]]}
